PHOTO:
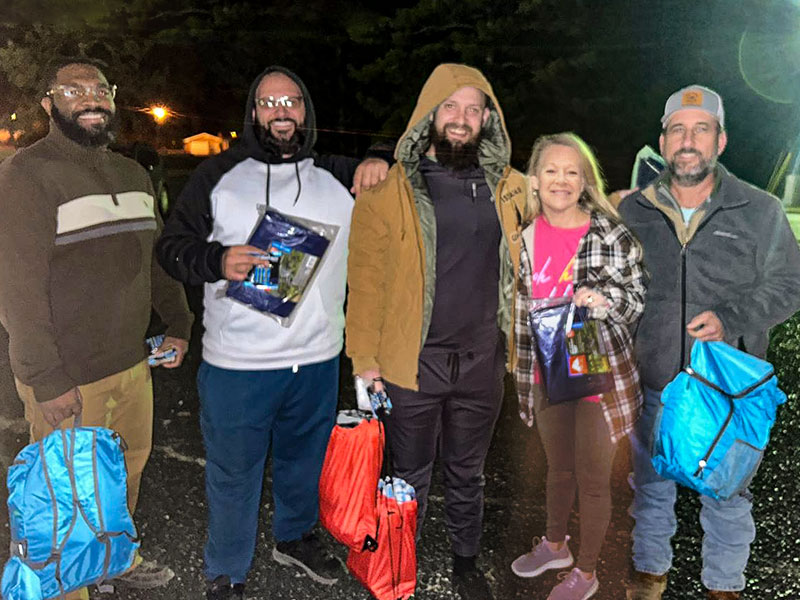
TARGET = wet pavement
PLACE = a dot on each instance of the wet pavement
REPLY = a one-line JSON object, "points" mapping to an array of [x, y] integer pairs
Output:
{"points": [[171, 513]]}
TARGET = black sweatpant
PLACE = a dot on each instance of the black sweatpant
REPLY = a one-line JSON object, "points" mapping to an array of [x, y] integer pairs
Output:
{"points": [[454, 412]]}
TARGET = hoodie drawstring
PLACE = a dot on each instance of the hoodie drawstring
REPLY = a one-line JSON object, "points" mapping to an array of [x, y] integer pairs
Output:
{"points": [[299, 183], [269, 173]]}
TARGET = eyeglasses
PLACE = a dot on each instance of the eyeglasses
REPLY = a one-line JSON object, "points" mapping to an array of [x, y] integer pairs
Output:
{"points": [[285, 101], [73, 92]]}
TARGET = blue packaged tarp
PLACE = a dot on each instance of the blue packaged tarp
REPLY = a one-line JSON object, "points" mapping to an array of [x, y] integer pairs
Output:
{"points": [[715, 420], [69, 519], [294, 249]]}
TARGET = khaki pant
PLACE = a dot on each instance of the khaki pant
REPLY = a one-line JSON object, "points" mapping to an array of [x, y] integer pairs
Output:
{"points": [[122, 402]]}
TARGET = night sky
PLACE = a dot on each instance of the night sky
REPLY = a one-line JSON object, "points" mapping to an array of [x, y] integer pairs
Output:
{"points": [[602, 68]]}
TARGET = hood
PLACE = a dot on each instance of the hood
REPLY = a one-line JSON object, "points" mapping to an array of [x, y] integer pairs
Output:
{"points": [[495, 148], [249, 141]]}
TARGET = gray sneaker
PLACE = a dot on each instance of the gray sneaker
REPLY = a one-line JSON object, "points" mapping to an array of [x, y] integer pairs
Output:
{"points": [[145, 575], [574, 586], [541, 559]]}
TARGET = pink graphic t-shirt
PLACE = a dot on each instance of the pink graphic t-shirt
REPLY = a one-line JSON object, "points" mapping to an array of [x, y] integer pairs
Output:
{"points": [[554, 250]]}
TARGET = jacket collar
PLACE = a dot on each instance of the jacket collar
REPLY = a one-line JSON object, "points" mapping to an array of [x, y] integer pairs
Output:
{"points": [[726, 193], [74, 150]]}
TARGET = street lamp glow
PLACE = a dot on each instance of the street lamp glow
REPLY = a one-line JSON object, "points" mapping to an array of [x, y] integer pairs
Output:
{"points": [[159, 113]]}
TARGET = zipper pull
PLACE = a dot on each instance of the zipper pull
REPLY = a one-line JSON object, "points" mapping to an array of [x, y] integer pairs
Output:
{"points": [[474, 191]]}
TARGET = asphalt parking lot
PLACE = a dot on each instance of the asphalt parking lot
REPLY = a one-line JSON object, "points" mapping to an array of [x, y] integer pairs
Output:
{"points": [[171, 513]]}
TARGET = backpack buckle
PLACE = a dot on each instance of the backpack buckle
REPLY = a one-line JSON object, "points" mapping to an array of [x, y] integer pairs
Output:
{"points": [[19, 548]]}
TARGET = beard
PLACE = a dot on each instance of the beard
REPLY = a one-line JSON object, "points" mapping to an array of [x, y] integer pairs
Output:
{"points": [[98, 135], [455, 156], [688, 177], [280, 146]]}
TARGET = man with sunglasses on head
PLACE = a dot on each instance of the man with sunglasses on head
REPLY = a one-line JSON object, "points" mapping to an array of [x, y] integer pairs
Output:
{"points": [[78, 279], [263, 385]]}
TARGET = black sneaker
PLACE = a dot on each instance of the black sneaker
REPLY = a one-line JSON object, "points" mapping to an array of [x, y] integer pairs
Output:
{"points": [[221, 589], [309, 555], [471, 585]]}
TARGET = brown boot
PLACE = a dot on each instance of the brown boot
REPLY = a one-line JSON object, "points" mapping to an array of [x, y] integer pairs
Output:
{"points": [[644, 586], [720, 595]]}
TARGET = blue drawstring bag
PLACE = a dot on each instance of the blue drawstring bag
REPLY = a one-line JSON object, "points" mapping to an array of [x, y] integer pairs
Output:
{"points": [[569, 348], [20, 582], [69, 519], [715, 420]]}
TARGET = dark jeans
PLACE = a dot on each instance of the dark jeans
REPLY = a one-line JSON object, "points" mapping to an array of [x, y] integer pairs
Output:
{"points": [[579, 459], [242, 413], [454, 412]]}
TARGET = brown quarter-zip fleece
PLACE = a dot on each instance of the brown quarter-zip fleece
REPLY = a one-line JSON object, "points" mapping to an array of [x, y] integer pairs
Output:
{"points": [[77, 275]]}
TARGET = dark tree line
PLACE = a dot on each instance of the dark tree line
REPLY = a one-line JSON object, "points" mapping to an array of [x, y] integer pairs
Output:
{"points": [[602, 68]]}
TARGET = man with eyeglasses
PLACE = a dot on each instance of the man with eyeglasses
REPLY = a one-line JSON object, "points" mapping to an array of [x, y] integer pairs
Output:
{"points": [[724, 265], [263, 385], [78, 279]]}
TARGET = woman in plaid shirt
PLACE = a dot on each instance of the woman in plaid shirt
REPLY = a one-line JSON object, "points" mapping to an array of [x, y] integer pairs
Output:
{"points": [[577, 244]]}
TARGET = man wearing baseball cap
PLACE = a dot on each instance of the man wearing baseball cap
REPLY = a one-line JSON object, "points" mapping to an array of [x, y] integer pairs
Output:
{"points": [[724, 265]]}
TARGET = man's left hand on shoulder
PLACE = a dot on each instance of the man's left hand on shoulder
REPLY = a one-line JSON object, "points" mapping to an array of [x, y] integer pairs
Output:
{"points": [[180, 346], [706, 327], [369, 174]]}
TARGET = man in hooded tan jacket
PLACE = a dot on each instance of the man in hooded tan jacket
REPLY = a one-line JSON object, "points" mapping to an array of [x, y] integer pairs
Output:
{"points": [[434, 252]]}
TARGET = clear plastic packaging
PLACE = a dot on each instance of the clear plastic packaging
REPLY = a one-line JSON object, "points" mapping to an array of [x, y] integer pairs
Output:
{"points": [[295, 249], [159, 358], [572, 358]]}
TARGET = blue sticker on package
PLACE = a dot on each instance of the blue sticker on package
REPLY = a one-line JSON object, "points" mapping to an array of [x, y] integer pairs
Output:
{"points": [[294, 249]]}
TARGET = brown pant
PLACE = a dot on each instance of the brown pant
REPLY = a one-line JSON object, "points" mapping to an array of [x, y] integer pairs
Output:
{"points": [[122, 402], [579, 459]]}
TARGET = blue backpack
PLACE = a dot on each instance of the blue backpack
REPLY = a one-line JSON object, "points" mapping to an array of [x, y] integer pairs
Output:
{"points": [[715, 419], [70, 525]]}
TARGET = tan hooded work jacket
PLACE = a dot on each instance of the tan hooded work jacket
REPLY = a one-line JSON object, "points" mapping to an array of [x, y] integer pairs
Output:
{"points": [[392, 257]]}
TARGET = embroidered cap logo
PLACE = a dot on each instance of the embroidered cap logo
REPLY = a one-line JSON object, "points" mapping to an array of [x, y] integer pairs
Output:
{"points": [[692, 98]]}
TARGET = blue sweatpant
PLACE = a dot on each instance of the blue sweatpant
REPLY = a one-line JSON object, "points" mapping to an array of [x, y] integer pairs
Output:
{"points": [[242, 413]]}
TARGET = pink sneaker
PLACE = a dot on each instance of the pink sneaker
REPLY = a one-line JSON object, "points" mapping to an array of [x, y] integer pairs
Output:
{"points": [[541, 558], [574, 586]]}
